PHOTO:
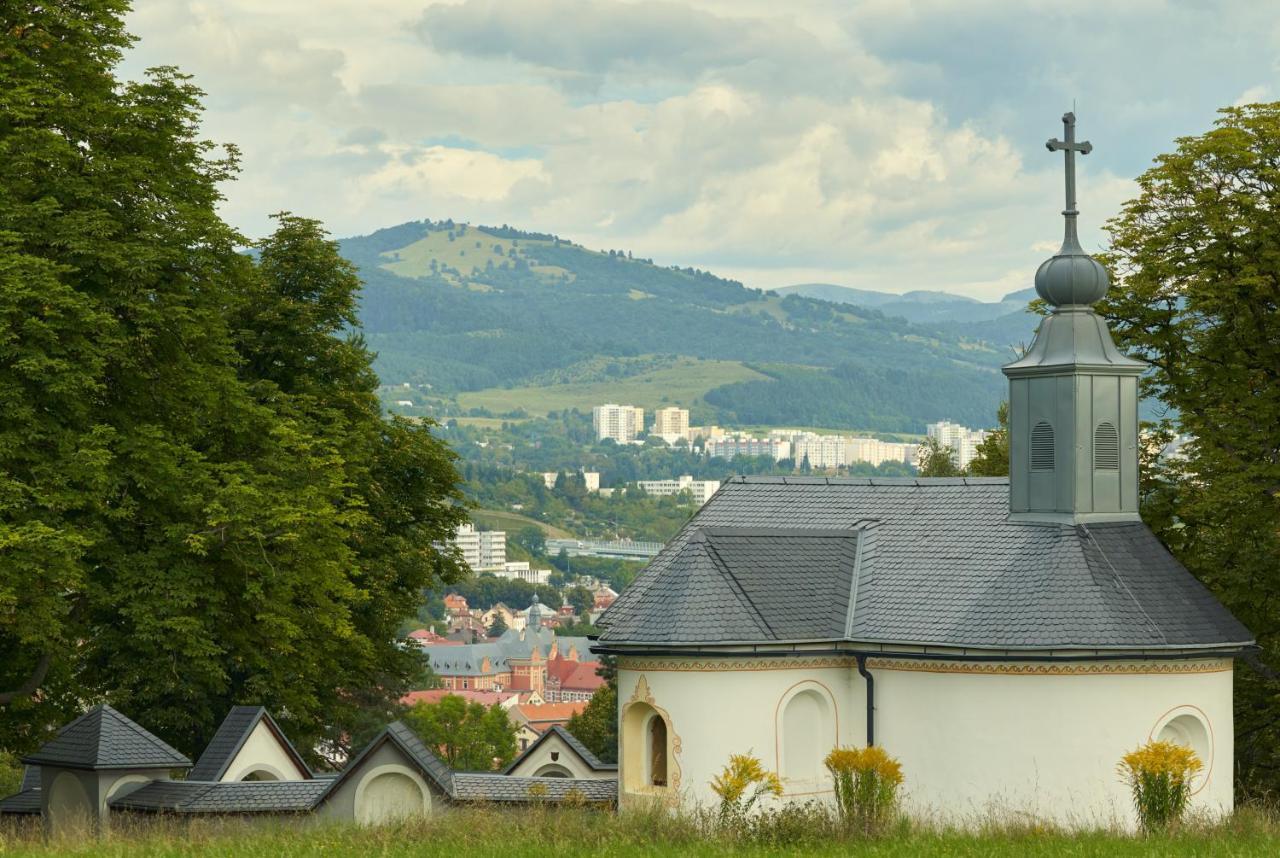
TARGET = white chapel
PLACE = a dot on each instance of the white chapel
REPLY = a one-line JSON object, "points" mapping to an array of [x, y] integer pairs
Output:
{"points": [[1007, 639]]}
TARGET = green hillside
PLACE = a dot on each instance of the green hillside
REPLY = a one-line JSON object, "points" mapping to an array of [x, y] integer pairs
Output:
{"points": [[499, 320]]}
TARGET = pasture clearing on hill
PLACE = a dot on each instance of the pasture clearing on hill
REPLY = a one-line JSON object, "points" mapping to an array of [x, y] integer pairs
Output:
{"points": [[682, 381]]}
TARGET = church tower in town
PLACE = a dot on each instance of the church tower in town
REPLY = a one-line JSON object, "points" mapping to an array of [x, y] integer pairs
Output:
{"points": [[1073, 397]]}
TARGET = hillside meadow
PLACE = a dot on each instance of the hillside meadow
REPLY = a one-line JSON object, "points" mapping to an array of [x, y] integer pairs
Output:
{"points": [[577, 832]]}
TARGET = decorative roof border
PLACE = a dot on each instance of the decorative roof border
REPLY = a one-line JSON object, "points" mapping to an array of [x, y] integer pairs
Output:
{"points": [[1011, 667]]}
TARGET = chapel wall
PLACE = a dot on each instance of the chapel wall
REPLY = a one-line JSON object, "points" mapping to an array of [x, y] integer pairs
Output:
{"points": [[1044, 739], [717, 708]]}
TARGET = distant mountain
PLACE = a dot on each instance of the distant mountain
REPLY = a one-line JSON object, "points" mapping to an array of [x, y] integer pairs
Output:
{"points": [[470, 309], [953, 312]]}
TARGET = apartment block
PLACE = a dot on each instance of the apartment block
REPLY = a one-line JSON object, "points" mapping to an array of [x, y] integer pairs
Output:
{"points": [[622, 423]]}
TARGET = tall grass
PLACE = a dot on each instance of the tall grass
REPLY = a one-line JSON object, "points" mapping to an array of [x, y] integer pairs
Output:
{"points": [[552, 830]]}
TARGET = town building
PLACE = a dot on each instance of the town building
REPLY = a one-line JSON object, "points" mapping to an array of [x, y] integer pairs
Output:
{"points": [[1007, 639], [962, 440], [700, 490], [622, 423], [671, 424], [590, 479], [729, 447], [520, 570]]}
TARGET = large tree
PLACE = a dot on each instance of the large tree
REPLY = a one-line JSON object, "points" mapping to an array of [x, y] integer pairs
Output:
{"points": [[1196, 263], [200, 503]]}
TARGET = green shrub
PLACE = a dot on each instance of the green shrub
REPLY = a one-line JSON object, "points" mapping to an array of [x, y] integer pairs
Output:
{"points": [[1159, 776], [866, 786]]}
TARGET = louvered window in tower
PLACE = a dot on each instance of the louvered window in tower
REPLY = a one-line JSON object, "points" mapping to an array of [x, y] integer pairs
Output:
{"points": [[1106, 447], [1042, 447]]}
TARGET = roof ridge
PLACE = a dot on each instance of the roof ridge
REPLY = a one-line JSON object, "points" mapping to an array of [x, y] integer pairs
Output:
{"points": [[720, 566], [1084, 528]]}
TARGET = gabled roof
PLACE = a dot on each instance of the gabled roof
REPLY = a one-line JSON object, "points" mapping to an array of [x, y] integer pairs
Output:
{"points": [[488, 787], [746, 584], [232, 733], [398, 733], [585, 676], [30, 778], [102, 738], [224, 796], [937, 562], [591, 760]]}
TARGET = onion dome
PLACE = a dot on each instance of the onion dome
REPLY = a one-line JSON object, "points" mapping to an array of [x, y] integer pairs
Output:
{"points": [[1071, 277]]}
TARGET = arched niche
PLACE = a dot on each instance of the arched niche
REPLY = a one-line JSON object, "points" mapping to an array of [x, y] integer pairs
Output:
{"points": [[1189, 726], [551, 770], [806, 729], [390, 793], [70, 809]]}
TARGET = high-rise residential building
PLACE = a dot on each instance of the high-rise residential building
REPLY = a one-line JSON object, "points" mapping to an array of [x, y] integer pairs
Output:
{"points": [[481, 549], [671, 424], [962, 440], [701, 490], [620, 422]]}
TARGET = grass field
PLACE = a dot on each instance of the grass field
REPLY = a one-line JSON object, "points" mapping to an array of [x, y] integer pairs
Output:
{"points": [[468, 252], [681, 382], [513, 521], [579, 833]]}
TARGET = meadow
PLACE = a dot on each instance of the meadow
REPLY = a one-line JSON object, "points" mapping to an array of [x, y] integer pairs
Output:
{"points": [[574, 832], [681, 381]]}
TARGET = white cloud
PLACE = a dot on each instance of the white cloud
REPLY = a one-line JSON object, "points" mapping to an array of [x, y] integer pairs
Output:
{"points": [[883, 144]]}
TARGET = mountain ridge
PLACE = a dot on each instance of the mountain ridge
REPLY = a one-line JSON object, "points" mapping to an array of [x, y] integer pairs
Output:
{"points": [[457, 308]]}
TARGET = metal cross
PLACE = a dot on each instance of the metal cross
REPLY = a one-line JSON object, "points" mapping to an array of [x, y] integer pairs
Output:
{"points": [[1071, 147]]}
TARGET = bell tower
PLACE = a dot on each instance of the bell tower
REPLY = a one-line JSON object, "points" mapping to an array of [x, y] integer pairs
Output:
{"points": [[1073, 398]]}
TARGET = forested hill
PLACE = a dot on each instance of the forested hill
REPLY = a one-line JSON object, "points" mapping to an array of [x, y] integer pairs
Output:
{"points": [[466, 308]]}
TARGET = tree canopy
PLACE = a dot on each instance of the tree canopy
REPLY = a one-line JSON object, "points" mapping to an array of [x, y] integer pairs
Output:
{"points": [[1196, 263], [201, 503], [468, 735]]}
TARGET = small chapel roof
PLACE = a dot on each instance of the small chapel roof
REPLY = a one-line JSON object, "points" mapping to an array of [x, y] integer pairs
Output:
{"points": [[585, 753], [102, 738], [232, 733], [910, 562]]}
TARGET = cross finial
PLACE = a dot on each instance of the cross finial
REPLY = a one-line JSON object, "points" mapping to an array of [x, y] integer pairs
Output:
{"points": [[1070, 147]]}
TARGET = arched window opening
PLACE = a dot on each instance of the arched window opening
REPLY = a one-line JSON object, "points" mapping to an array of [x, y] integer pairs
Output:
{"points": [[1106, 447], [1042, 454], [657, 751]]}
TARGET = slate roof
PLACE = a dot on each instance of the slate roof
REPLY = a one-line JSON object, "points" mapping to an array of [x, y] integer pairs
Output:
{"points": [[569, 739], [30, 778], [477, 786], [399, 734], [937, 563], [21, 803], [232, 733], [102, 738], [224, 797]]}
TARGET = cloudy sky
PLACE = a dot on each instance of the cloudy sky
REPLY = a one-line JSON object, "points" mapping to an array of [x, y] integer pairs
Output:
{"points": [[885, 144]]}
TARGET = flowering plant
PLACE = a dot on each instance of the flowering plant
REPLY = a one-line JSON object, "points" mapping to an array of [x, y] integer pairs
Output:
{"points": [[1159, 776], [866, 785]]}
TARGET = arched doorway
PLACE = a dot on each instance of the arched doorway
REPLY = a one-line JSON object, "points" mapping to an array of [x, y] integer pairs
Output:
{"points": [[388, 794], [551, 770]]}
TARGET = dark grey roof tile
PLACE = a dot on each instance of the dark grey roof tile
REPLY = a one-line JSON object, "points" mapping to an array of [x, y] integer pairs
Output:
{"points": [[487, 787], [940, 564], [102, 738]]}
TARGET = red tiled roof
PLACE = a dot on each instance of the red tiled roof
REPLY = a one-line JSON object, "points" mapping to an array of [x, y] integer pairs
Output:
{"points": [[585, 676], [544, 716], [434, 695]]}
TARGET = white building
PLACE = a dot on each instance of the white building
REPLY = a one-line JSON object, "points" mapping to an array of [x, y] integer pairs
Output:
{"points": [[591, 479], [521, 571], [876, 452], [1008, 640], [701, 490], [482, 549], [727, 448], [823, 452], [622, 423], [671, 424], [962, 440]]}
